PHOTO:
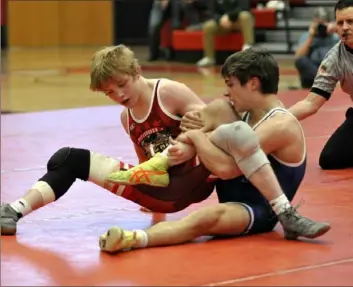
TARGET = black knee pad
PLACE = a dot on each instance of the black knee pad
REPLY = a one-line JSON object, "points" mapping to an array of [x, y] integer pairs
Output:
{"points": [[64, 167], [58, 158], [73, 160]]}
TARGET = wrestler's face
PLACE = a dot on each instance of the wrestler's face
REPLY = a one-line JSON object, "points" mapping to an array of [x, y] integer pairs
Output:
{"points": [[241, 96], [123, 89], [344, 21]]}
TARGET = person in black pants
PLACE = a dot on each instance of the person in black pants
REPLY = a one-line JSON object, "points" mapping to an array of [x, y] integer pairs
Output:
{"points": [[338, 151]]}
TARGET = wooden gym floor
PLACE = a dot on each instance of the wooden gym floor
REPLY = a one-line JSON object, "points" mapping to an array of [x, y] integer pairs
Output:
{"points": [[58, 245]]}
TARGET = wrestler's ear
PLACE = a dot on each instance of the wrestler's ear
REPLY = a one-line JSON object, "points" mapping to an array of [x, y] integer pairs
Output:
{"points": [[254, 84], [138, 73]]}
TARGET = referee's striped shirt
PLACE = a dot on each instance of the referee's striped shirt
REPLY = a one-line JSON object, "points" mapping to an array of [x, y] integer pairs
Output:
{"points": [[336, 67]]}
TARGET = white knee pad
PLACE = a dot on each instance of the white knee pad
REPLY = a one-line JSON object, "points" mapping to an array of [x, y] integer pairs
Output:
{"points": [[240, 141]]}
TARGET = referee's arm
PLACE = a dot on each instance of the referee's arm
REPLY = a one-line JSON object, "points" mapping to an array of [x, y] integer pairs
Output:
{"points": [[307, 107], [324, 84]]}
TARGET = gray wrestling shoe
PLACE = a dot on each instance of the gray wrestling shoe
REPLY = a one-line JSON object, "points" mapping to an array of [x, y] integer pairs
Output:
{"points": [[8, 220], [296, 225]]}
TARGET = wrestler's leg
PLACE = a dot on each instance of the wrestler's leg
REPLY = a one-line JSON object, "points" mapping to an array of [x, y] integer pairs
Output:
{"points": [[218, 112], [241, 142], [63, 168], [229, 219]]}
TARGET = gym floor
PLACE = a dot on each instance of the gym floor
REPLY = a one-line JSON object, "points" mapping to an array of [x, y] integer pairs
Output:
{"points": [[46, 104]]}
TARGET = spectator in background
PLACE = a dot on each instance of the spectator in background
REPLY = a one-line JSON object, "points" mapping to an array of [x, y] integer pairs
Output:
{"points": [[313, 46], [162, 10], [196, 12], [174, 10], [227, 16]]}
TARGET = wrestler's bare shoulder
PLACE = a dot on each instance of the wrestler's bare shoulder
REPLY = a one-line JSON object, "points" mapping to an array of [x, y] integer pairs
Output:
{"points": [[166, 87], [284, 122], [177, 97]]}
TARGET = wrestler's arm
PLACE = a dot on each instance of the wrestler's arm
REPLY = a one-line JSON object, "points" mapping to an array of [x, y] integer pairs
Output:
{"points": [[139, 151], [210, 120], [324, 84], [179, 99], [274, 134], [215, 160]]}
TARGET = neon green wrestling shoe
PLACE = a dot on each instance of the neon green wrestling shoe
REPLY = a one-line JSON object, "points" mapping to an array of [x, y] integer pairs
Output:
{"points": [[153, 172], [117, 239]]}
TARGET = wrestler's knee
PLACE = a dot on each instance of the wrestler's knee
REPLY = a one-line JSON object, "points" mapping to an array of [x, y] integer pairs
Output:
{"points": [[71, 160], [238, 136], [215, 106], [241, 142]]}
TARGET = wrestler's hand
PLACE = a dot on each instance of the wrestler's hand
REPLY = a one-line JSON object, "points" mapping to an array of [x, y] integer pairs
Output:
{"points": [[191, 121], [180, 152], [183, 138]]}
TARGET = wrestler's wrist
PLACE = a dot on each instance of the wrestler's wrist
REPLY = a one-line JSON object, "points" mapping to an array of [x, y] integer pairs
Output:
{"points": [[192, 134]]}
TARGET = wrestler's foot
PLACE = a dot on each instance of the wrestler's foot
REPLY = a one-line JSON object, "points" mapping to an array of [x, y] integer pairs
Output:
{"points": [[117, 239], [153, 172], [8, 220], [296, 225]]}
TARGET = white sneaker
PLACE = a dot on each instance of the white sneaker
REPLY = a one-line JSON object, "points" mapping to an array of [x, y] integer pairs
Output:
{"points": [[117, 239], [206, 62], [245, 46]]}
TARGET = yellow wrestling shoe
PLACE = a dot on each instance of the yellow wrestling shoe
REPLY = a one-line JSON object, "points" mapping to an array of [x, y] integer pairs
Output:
{"points": [[117, 239], [153, 172]]}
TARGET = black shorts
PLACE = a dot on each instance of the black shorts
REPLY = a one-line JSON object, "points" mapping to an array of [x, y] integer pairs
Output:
{"points": [[262, 217]]}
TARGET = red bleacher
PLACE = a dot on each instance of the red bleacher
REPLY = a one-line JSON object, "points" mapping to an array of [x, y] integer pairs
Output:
{"points": [[192, 40]]}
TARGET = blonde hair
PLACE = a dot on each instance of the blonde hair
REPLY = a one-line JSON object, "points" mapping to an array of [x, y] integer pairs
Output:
{"points": [[110, 61]]}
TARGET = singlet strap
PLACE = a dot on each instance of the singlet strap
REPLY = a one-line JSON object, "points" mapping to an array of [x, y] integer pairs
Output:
{"points": [[154, 96]]}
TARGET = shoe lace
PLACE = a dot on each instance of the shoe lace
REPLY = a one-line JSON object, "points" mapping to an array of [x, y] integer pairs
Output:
{"points": [[292, 211]]}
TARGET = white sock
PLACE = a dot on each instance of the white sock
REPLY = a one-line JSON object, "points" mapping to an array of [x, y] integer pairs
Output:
{"points": [[280, 204], [21, 206], [142, 238]]}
